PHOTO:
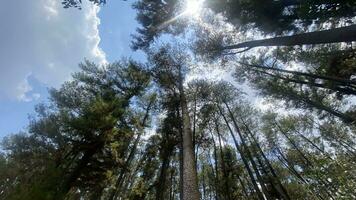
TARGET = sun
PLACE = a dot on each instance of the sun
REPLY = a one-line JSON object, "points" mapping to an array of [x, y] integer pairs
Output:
{"points": [[193, 7]]}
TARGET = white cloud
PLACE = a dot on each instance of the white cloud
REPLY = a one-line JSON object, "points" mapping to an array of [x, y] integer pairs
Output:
{"points": [[42, 40]]}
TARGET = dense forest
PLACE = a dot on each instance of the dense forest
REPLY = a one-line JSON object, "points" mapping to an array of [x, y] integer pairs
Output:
{"points": [[277, 122]]}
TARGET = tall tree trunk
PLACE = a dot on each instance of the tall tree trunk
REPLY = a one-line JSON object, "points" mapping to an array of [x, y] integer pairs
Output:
{"points": [[283, 192], [203, 181], [248, 153], [300, 177], [161, 183], [226, 189], [344, 90], [307, 160], [243, 157], [343, 34], [294, 172], [345, 144], [293, 144], [194, 121], [344, 82], [314, 145], [313, 104], [190, 179], [83, 162], [180, 146], [171, 188], [216, 181], [244, 189], [132, 153]]}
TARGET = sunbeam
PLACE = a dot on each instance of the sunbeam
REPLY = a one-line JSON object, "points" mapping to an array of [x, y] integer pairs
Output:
{"points": [[192, 9]]}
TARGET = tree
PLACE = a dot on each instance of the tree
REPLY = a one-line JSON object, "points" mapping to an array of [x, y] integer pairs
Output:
{"points": [[82, 129], [140, 131], [168, 68], [343, 34], [283, 15]]}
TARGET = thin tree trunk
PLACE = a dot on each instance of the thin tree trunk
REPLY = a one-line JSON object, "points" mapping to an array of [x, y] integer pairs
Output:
{"points": [[347, 91], [227, 189], [161, 184], [203, 181], [345, 144], [244, 160], [314, 145], [180, 155], [293, 144], [216, 168], [244, 190], [194, 121], [283, 192], [249, 155], [344, 82], [343, 34], [345, 118], [326, 190], [171, 188], [130, 157], [296, 174], [83, 162]]}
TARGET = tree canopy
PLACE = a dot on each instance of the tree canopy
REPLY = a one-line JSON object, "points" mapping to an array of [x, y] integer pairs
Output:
{"points": [[278, 122]]}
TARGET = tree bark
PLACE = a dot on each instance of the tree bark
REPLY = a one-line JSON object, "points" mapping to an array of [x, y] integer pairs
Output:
{"points": [[343, 34], [190, 179]]}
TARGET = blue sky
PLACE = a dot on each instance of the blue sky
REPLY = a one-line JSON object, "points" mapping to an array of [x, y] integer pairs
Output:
{"points": [[41, 45]]}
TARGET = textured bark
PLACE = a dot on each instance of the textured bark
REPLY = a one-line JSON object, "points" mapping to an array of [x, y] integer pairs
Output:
{"points": [[190, 178], [343, 34]]}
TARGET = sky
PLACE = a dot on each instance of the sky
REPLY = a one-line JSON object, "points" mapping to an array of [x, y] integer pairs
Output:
{"points": [[41, 45]]}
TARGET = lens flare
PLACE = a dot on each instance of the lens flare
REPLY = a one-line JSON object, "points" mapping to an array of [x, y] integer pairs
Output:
{"points": [[193, 7]]}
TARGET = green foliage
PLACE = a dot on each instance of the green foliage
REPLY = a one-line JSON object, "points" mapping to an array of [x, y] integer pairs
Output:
{"points": [[272, 16], [130, 131]]}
